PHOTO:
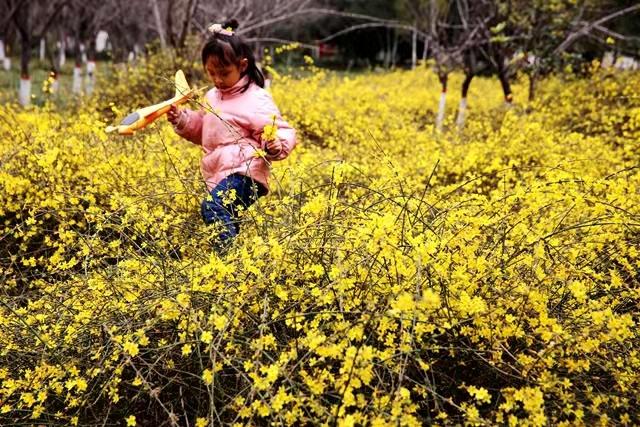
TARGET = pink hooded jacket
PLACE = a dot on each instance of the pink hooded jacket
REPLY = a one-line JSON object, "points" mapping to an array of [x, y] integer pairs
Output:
{"points": [[231, 136]]}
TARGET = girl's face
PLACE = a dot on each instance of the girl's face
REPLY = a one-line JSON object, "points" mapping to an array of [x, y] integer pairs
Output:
{"points": [[224, 76]]}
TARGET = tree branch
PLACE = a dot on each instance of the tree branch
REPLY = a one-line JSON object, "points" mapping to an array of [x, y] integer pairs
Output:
{"points": [[9, 17], [588, 27], [373, 25], [319, 11], [277, 40]]}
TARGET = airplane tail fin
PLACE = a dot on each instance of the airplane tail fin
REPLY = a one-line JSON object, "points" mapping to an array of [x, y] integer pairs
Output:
{"points": [[182, 87]]}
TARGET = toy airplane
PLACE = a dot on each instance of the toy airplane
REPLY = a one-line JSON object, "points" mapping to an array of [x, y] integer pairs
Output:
{"points": [[145, 116]]}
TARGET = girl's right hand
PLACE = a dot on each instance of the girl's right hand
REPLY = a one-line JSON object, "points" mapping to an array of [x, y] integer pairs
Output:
{"points": [[173, 114]]}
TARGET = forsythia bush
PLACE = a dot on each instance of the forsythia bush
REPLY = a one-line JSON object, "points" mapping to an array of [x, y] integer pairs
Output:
{"points": [[394, 276]]}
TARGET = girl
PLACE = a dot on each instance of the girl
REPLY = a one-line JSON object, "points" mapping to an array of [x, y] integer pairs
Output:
{"points": [[235, 172]]}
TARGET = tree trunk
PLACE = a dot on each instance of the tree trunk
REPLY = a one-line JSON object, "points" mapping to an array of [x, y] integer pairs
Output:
{"points": [[425, 49], [394, 50], [24, 95], [443, 102], [25, 55], [462, 109], [504, 80], [43, 49], [90, 68], [62, 54], [76, 83], [51, 56], [172, 39], [192, 5], [414, 48], [506, 87], [532, 85], [53, 71], [387, 50], [90, 77], [21, 20], [159, 26]]}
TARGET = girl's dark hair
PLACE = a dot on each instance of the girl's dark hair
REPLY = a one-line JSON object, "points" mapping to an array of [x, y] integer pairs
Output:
{"points": [[230, 50]]}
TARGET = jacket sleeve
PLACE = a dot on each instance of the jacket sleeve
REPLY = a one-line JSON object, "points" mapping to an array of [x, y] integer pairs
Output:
{"points": [[263, 115], [189, 125]]}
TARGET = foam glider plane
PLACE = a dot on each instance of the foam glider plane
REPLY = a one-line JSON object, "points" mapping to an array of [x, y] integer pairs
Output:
{"points": [[143, 117]]}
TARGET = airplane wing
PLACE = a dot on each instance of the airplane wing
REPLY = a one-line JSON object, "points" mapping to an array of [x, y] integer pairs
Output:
{"points": [[182, 91], [182, 87]]}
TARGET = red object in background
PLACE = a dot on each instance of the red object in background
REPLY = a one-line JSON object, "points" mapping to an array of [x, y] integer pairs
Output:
{"points": [[326, 50]]}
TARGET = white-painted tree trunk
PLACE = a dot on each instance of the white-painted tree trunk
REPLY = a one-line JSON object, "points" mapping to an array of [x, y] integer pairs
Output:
{"points": [[101, 41], [90, 77], [6, 63], [76, 85], [414, 48], [462, 113], [24, 96], [441, 108], [2, 54], [83, 53], [62, 56], [43, 48], [55, 85], [607, 60]]}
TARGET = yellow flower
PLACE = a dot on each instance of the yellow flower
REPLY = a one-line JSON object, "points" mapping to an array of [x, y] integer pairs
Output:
{"points": [[206, 337], [186, 350], [131, 348], [207, 376], [403, 303], [131, 421], [479, 393], [269, 132]]}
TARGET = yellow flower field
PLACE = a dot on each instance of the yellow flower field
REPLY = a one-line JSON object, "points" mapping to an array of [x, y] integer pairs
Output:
{"points": [[394, 276]]}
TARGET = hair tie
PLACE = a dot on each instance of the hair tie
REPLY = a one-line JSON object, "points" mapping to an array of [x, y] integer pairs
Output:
{"points": [[217, 29]]}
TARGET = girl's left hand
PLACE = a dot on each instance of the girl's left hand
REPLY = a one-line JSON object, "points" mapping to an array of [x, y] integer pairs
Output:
{"points": [[274, 147]]}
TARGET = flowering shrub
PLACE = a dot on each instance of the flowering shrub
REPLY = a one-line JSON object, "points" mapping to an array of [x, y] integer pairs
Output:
{"points": [[393, 275]]}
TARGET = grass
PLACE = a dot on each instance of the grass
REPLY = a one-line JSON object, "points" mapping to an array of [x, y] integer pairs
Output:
{"points": [[39, 70]]}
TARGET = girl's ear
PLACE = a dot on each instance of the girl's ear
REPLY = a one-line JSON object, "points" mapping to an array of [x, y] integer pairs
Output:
{"points": [[244, 64]]}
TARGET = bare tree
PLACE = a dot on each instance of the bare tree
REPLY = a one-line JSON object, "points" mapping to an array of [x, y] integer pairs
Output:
{"points": [[32, 20]]}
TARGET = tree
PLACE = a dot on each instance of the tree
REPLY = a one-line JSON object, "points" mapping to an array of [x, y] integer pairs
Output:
{"points": [[32, 20]]}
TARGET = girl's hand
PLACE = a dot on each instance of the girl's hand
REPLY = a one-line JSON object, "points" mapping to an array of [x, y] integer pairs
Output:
{"points": [[173, 115], [273, 147]]}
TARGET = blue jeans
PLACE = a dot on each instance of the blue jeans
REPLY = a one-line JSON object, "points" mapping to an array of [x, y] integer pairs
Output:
{"points": [[223, 207]]}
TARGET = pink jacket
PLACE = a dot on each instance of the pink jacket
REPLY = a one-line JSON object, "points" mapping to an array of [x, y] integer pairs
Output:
{"points": [[231, 134]]}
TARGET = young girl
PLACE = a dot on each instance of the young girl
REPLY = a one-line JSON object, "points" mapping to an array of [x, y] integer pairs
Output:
{"points": [[231, 131]]}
